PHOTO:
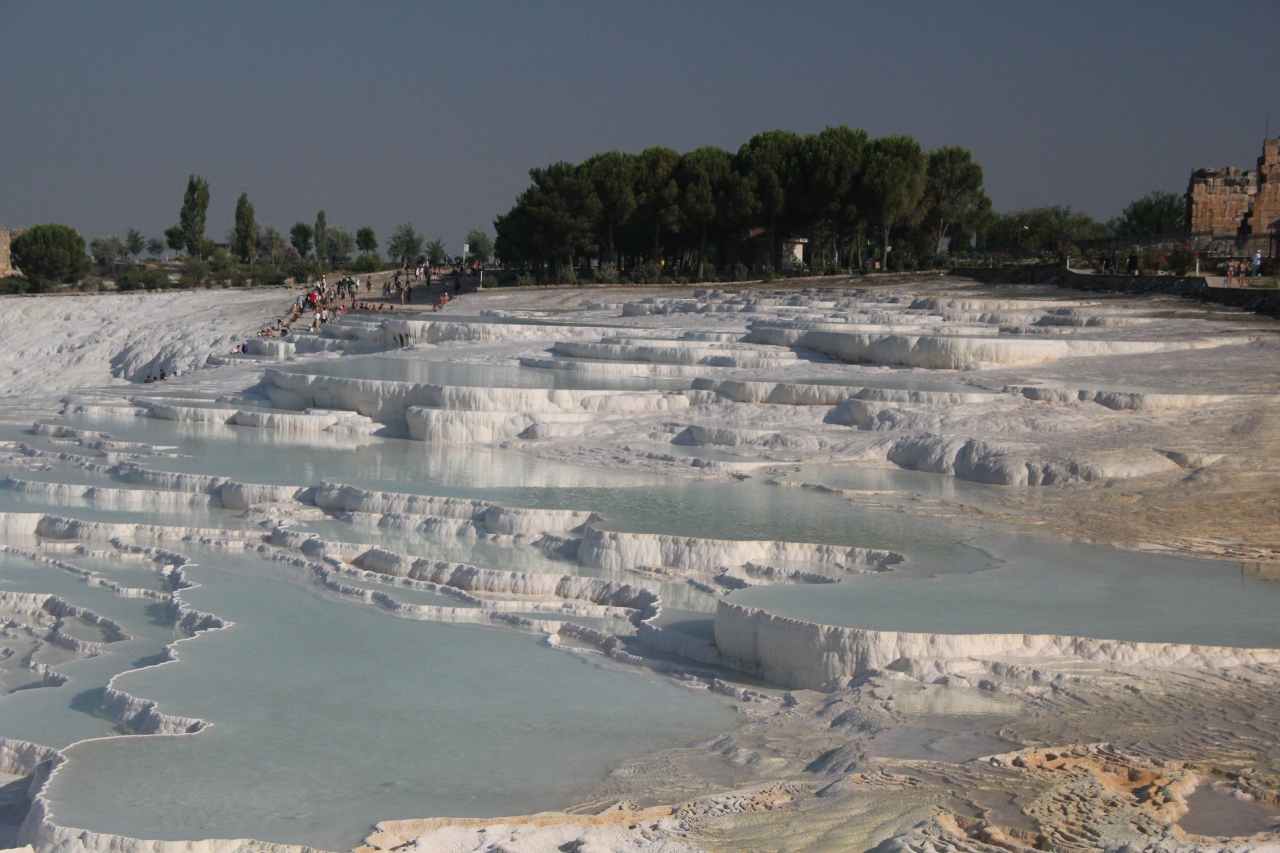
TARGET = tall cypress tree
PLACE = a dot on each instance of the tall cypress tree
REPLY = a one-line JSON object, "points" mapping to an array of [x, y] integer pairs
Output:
{"points": [[246, 231], [195, 204], [321, 237]]}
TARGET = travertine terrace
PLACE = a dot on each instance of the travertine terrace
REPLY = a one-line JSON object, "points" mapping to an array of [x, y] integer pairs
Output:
{"points": [[738, 491]]}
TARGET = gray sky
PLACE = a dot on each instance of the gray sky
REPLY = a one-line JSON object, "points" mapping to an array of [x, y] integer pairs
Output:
{"points": [[433, 113]]}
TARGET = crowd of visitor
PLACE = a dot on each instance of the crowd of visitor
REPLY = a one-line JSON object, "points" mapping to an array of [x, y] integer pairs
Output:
{"points": [[324, 303]]}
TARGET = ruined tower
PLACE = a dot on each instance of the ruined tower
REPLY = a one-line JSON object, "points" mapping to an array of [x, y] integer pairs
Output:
{"points": [[1227, 202]]}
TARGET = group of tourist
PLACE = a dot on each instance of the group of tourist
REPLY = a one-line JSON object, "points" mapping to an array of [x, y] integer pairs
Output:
{"points": [[402, 290], [161, 378], [1238, 269], [323, 302]]}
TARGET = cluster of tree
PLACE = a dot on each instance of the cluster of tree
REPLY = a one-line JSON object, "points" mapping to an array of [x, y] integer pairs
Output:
{"points": [[853, 198], [1056, 230], [50, 255], [841, 190], [109, 250], [254, 253], [328, 246]]}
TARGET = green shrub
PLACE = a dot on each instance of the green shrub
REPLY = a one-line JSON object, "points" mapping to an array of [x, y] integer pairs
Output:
{"points": [[142, 278], [195, 272], [50, 254], [368, 262], [14, 284], [1153, 261], [648, 272], [607, 273], [1182, 259], [739, 272], [220, 260], [269, 276], [305, 272]]}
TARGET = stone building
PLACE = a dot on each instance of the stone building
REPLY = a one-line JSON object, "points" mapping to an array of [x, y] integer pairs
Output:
{"points": [[1229, 202], [6, 264]]}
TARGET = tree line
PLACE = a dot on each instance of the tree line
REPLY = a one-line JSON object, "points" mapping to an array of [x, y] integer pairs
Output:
{"points": [[854, 201], [311, 247], [851, 197], [251, 252], [859, 203]]}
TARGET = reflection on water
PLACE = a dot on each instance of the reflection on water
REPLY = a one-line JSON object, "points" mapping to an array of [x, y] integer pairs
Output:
{"points": [[1261, 571], [1076, 590], [1219, 813], [424, 718], [409, 369], [330, 716]]}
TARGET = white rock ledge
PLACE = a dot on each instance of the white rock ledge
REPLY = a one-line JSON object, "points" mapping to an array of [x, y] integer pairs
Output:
{"points": [[796, 654]]}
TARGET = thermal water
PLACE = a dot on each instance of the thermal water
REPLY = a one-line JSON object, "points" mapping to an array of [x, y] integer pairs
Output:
{"points": [[327, 711], [328, 716]]}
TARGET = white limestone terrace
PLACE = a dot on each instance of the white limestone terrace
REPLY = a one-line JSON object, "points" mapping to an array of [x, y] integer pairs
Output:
{"points": [[787, 651], [869, 358], [937, 377]]}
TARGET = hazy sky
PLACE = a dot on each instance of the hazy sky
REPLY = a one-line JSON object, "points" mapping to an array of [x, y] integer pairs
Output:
{"points": [[434, 112]]}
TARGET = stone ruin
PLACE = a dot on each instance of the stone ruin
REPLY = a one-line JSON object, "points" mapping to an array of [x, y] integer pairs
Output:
{"points": [[1228, 202], [6, 263]]}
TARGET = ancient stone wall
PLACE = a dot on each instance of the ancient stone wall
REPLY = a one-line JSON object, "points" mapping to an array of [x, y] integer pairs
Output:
{"points": [[6, 265], [1265, 213], [1227, 202], [1218, 200]]}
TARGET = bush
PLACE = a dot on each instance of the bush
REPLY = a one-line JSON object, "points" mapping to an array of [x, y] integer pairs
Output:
{"points": [[50, 254], [269, 276], [142, 278], [607, 273], [12, 284], [239, 278], [566, 275], [648, 272], [220, 260], [90, 284], [1182, 259], [368, 262], [305, 272], [525, 279], [1153, 261], [194, 273]]}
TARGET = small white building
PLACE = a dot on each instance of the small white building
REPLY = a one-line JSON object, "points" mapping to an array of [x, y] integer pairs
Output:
{"points": [[793, 253]]}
